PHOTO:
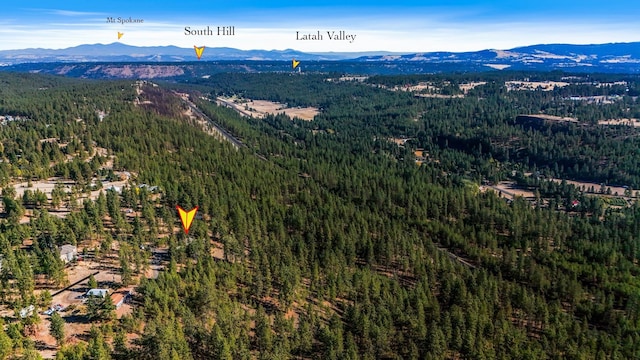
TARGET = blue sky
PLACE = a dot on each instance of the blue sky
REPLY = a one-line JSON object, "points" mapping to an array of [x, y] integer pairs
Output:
{"points": [[400, 25]]}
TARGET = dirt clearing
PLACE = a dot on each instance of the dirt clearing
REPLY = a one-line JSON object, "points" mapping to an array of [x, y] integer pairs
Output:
{"points": [[471, 85], [534, 85], [618, 122], [260, 108]]}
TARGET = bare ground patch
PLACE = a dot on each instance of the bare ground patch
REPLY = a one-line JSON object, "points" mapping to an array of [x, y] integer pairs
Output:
{"points": [[509, 190], [618, 122], [260, 108], [465, 87], [534, 85], [585, 186]]}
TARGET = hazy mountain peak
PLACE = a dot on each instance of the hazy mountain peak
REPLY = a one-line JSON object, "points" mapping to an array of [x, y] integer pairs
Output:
{"points": [[611, 57]]}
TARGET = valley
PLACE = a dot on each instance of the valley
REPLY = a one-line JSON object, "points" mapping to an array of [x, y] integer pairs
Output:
{"points": [[384, 225]]}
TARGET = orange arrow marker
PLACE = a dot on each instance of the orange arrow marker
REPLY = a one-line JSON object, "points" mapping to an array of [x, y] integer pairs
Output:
{"points": [[199, 51], [120, 35], [187, 217]]}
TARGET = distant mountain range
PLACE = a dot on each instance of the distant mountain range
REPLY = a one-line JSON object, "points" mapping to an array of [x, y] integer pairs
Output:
{"points": [[118, 52], [613, 57], [603, 57]]}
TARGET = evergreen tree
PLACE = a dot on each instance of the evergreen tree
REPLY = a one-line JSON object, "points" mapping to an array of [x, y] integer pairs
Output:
{"points": [[56, 328]]}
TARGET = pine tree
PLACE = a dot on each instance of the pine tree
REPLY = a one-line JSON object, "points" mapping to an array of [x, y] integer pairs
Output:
{"points": [[56, 328], [93, 284], [6, 345]]}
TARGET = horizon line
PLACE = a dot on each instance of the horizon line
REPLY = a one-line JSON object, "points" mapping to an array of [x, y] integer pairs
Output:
{"points": [[322, 52]]}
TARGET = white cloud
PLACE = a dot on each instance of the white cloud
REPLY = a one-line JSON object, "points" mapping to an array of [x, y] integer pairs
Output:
{"points": [[72, 13], [62, 12]]}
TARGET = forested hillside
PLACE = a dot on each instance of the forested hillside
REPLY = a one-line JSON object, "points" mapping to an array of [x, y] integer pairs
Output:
{"points": [[335, 243]]}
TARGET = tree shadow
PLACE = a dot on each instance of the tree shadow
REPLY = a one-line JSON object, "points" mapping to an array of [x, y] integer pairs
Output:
{"points": [[85, 336], [269, 305], [41, 346], [76, 319]]}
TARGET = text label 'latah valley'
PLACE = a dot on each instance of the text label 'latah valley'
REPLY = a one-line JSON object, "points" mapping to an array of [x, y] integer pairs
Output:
{"points": [[328, 35]]}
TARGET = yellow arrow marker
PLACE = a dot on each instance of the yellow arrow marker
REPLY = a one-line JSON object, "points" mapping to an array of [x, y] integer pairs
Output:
{"points": [[187, 217], [199, 51], [120, 35], [295, 63]]}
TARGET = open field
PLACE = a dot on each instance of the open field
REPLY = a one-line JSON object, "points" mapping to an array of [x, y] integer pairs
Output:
{"points": [[46, 186], [440, 96], [584, 186], [260, 108], [465, 87], [429, 90], [509, 190], [600, 99], [618, 122], [534, 85], [546, 117], [350, 78], [417, 88]]}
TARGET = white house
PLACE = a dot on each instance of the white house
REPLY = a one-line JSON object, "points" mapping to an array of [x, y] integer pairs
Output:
{"points": [[98, 293], [68, 253], [115, 188], [27, 311]]}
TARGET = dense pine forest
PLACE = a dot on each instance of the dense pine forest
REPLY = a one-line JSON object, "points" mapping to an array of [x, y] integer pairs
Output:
{"points": [[336, 243]]}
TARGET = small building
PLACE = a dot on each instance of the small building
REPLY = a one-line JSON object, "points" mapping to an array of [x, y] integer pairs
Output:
{"points": [[149, 187], [68, 253], [28, 311], [98, 293], [119, 297], [115, 188]]}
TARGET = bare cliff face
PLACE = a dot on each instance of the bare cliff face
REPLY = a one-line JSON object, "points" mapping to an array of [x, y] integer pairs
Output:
{"points": [[147, 71], [127, 71]]}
